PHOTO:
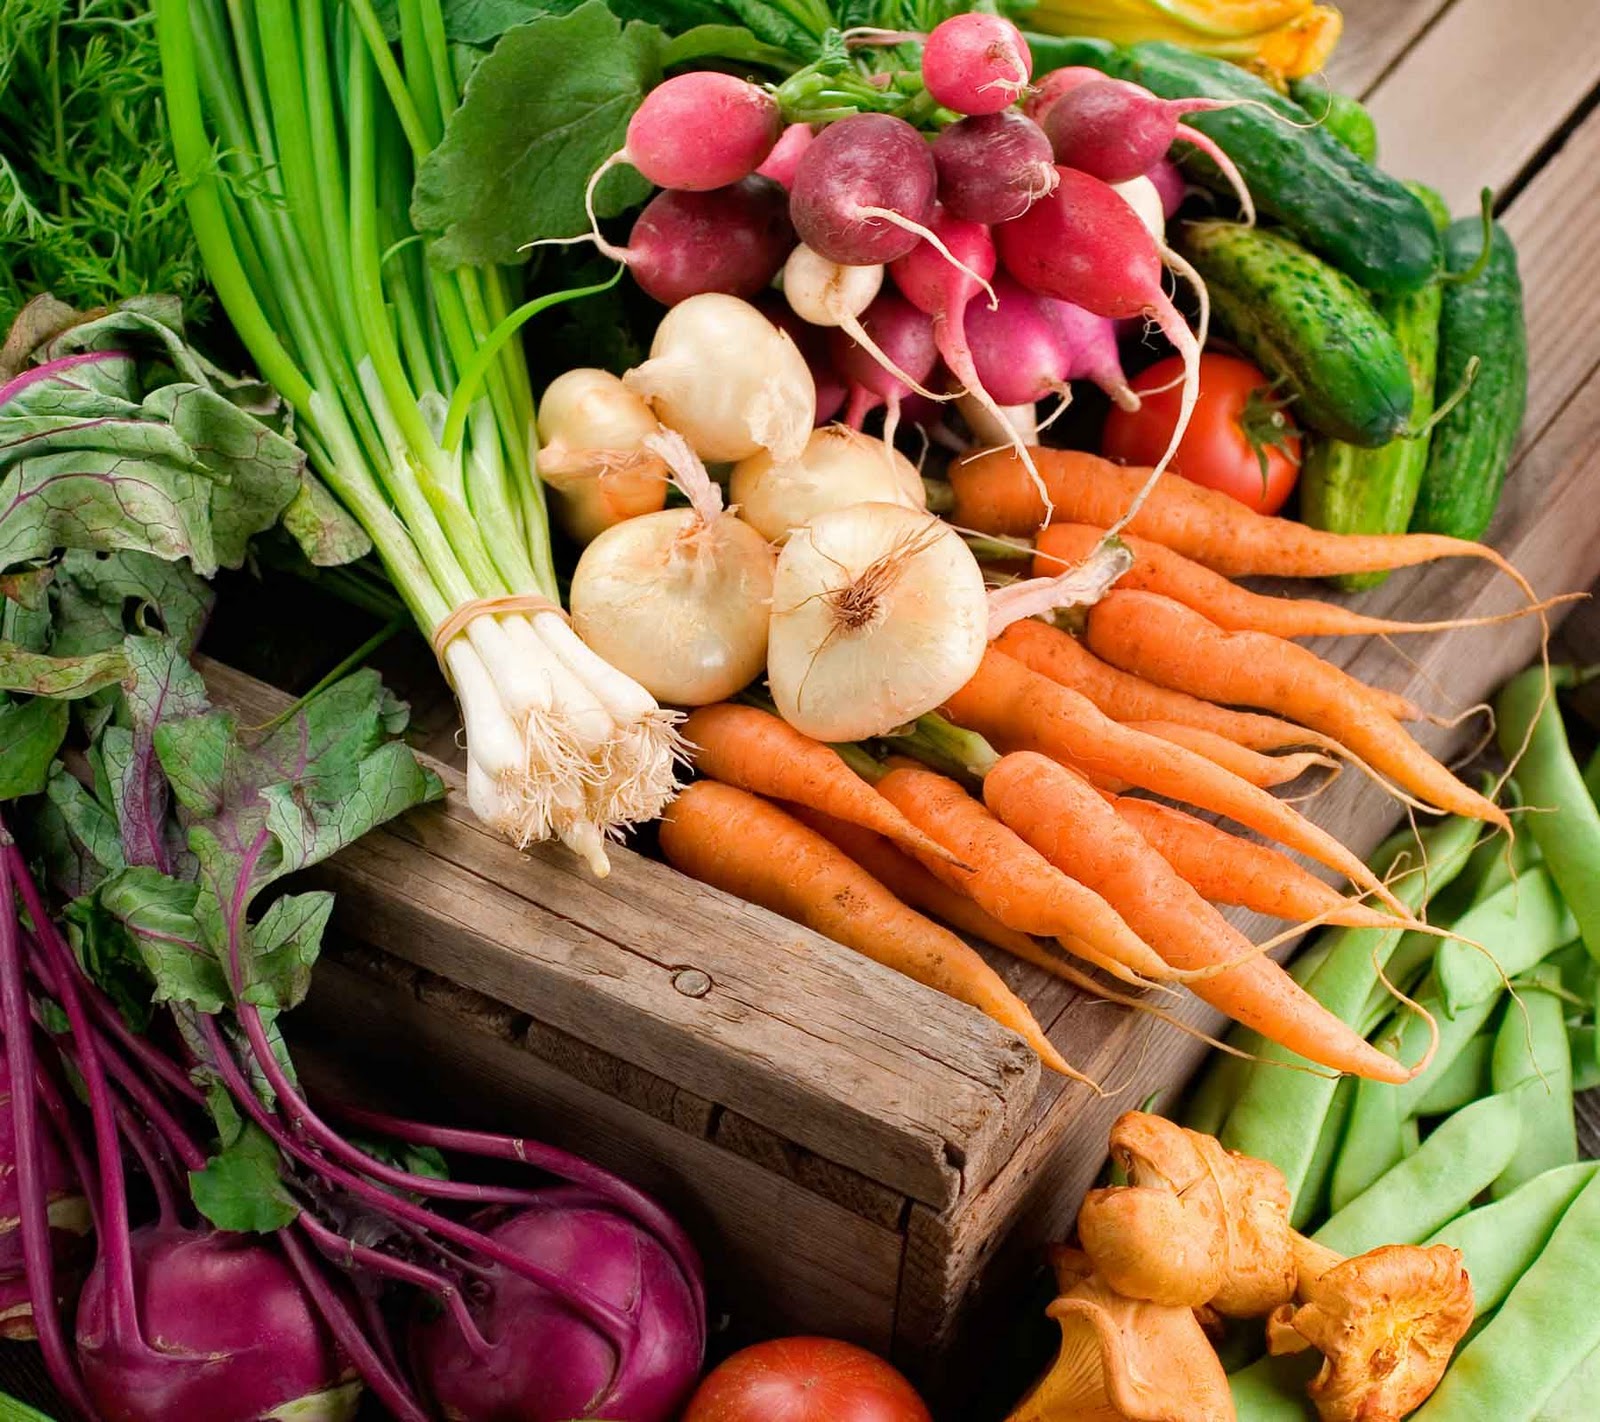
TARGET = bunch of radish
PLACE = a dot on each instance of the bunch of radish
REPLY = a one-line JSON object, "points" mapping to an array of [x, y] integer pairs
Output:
{"points": [[988, 262]]}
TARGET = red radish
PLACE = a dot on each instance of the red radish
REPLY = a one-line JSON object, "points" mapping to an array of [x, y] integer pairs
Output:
{"points": [[731, 239], [976, 64], [863, 190], [1057, 82], [993, 167], [1090, 343], [944, 292], [906, 337], [1115, 131], [699, 131], [1084, 244], [1168, 182], [787, 153], [1019, 357]]}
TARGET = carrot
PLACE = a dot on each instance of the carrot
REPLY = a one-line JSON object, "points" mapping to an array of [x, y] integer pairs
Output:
{"points": [[1064, 659], [994, 494], [915, 886], [1159, 570], [1016, 708], [764, 754], [1166, 642], [1063, 818], [1229, 870], [1010, 881], [1264, 771], [745, 845]]}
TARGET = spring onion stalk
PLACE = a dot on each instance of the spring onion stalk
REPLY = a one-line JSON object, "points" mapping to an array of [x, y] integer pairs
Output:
{"points": [[412, 401]]}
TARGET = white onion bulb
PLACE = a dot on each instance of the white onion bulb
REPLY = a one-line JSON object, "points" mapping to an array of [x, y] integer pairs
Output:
{"points": [[838, 467], [878, 615], [592, 430]]}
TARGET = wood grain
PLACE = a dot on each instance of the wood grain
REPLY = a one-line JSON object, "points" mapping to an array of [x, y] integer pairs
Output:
{"points": [[1376, 34], [836, 1263], [1477, 97]]}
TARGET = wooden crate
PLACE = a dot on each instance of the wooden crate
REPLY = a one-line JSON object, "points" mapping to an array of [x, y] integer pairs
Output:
{"points": [[856, 1154]]}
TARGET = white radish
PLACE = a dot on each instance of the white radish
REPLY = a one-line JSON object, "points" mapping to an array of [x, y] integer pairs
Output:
{"points": [[1145, 199], [678, 600], [993, 430], [839, 467], [727, 380], [592, 430], [878, 615]]}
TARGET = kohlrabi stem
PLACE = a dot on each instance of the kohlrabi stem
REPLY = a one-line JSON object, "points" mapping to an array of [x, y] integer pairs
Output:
{"points": [[609, 1320], [346, 1254], [157, 1166], [60, 1116], [390, 1391], [38, 1260]]}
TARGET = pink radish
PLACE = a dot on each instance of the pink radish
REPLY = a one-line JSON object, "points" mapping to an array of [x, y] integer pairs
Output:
{"points": [[786, 154], [1057, 82], [1168, 182], [1084, 244], [1115, 131], [863, 190], [699, 131], [1018, 355], [992, 167], [1090, 344], [976, 63], [905, 335], [731, 239]]}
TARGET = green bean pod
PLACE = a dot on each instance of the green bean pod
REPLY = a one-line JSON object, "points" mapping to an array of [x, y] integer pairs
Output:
{"points": [[1274, 1389], [1462, 1082], [1547, 1327], [1585, 1058], [1374, 1143], [1533, 1062], [1427, 1190], [1500, 1241], [1311, 1200], [1566, 821], [1510, 931], [1574, 1400]]}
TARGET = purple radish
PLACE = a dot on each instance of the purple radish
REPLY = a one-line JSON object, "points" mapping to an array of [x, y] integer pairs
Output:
{"points": [[1114, 130], [1043, 96], [976, 64], [1090, 343], [787, 153], [1017, 353], [863, 190], [993, 167], [700, 131], [732, 240], [1084, 244], [905, 335], [1168, 182], [812, 342]]}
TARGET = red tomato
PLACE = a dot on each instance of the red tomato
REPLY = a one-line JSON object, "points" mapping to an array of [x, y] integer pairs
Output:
{"points": [[1240, 441], [806, 1380]]}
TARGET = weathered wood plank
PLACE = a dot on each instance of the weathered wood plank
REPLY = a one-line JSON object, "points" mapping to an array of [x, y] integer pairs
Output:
{"points": [[852, 1060], [1477, 97], [835, 1266], [1376, 34]]}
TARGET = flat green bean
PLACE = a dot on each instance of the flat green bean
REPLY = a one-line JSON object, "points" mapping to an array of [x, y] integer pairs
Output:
{"points": [[1575, 1399], [1432, 1187], [1278, 1114], [1411, 1135], [1464, 1080], [1274, 1389], [1591, 777], [1547, 1326], [1217, 1084], [1580, 974], [1515, 928], [1533, 1061], [1499, 1242], [1564, 817], [1312, 1197], [1374, 1144], [1408, 1037], [1585, 1055]]}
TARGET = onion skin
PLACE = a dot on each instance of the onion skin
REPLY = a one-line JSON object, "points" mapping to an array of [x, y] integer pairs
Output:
{"points": [[839, 467]]}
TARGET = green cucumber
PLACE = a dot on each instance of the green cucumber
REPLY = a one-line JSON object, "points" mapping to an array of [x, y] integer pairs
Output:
{"points": [[1347, 489], [1344, 117], [1360, 219], [1309, 326], [1067, 51], [1472, 444]]}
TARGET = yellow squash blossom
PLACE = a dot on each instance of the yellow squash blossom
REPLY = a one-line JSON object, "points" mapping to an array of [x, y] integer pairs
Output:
{"points": [[1282, 39]]}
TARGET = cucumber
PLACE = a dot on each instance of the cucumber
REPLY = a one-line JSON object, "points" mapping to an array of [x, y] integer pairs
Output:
{"points": [[1362, 220], [1307, 325], [1472, 445], [1347, 489], [1344, 117], [1064, 51]]}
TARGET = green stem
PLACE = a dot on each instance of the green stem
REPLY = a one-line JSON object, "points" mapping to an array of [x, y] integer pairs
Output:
{"points": [[396, 624]]}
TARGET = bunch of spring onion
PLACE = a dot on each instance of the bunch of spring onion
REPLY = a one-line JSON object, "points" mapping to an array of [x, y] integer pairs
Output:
{"points": [[411, 399]]}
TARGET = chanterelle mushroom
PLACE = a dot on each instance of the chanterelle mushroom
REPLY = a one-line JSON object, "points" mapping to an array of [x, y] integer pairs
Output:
{"points": [[1386, 1323], [1196, 1224], [1124, 1360]]}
